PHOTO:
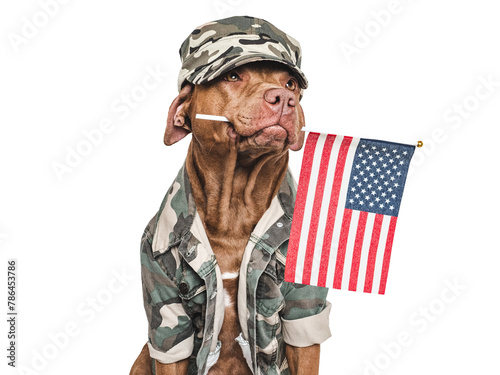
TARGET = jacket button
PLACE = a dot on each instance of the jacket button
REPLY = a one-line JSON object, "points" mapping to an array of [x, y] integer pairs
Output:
{"points": [[183, 288]]}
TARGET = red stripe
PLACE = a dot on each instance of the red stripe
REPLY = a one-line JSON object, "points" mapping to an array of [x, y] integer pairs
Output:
{"points": [[316, 209], [300, 203], [332, 209], [358, 244], [387, 254], [372, 253], [344, 234]]}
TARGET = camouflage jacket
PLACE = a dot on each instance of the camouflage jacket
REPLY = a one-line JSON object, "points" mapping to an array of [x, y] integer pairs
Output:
{"points": [[183, 297]]}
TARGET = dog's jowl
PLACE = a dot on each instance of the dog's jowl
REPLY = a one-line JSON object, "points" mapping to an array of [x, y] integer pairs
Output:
{"points": [[213, 256]]}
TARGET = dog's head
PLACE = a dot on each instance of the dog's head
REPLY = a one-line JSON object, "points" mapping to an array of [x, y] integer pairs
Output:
{"points": [[260, 100], [247, 70]]}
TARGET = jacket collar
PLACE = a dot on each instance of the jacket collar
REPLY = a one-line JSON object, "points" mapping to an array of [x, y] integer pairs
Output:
{"points": [[177, 211]]}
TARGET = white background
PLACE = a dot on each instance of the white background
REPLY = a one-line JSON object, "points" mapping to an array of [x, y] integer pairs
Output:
{"points": [[72, 236]]}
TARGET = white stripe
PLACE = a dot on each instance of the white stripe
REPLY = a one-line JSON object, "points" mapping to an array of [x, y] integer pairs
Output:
{"points": [[340, 212], [230, 275], [350, 249], [211, 117], [365, 250], [324, 210], [377, 274], [304, 234]]}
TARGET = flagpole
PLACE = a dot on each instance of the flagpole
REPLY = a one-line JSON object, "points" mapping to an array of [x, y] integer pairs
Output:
{"points": [[306, 129]]}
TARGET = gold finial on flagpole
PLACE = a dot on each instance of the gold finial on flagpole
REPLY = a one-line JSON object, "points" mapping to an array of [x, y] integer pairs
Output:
{"points": [[420, 144]]}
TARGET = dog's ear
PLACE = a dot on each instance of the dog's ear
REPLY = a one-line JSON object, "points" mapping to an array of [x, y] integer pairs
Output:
{"points": [[300, 138], [178, 122]]}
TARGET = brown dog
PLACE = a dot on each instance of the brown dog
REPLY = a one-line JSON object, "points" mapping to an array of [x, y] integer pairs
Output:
{"points": [[213, 257], [236, 169]]}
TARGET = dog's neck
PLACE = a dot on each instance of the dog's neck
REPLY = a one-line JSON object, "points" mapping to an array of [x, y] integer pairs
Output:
{"points": [[232, 191]]}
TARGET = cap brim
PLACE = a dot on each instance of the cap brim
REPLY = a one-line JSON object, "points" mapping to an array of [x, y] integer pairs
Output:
{"points": [[243, 60]]}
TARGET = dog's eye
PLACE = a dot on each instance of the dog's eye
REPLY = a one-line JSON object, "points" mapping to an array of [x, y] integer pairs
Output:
{"points": [[231, 77], [291, 85]]}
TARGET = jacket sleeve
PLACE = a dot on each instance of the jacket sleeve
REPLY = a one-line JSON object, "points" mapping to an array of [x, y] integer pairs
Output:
{"points": [[305, 317], [170, 332]]}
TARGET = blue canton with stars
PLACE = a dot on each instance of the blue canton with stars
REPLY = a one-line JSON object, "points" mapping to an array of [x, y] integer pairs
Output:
{"points": [[378, 176]]}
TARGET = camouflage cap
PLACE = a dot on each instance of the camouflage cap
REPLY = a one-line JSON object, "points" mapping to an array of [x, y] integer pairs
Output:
{"points": [[218, 47]]}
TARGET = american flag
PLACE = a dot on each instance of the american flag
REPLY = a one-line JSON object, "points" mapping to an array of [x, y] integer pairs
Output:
{"points": [[346, 211]]}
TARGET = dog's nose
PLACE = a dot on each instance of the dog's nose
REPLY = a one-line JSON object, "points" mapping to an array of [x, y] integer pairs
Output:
{"points": [[280, 99]]}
